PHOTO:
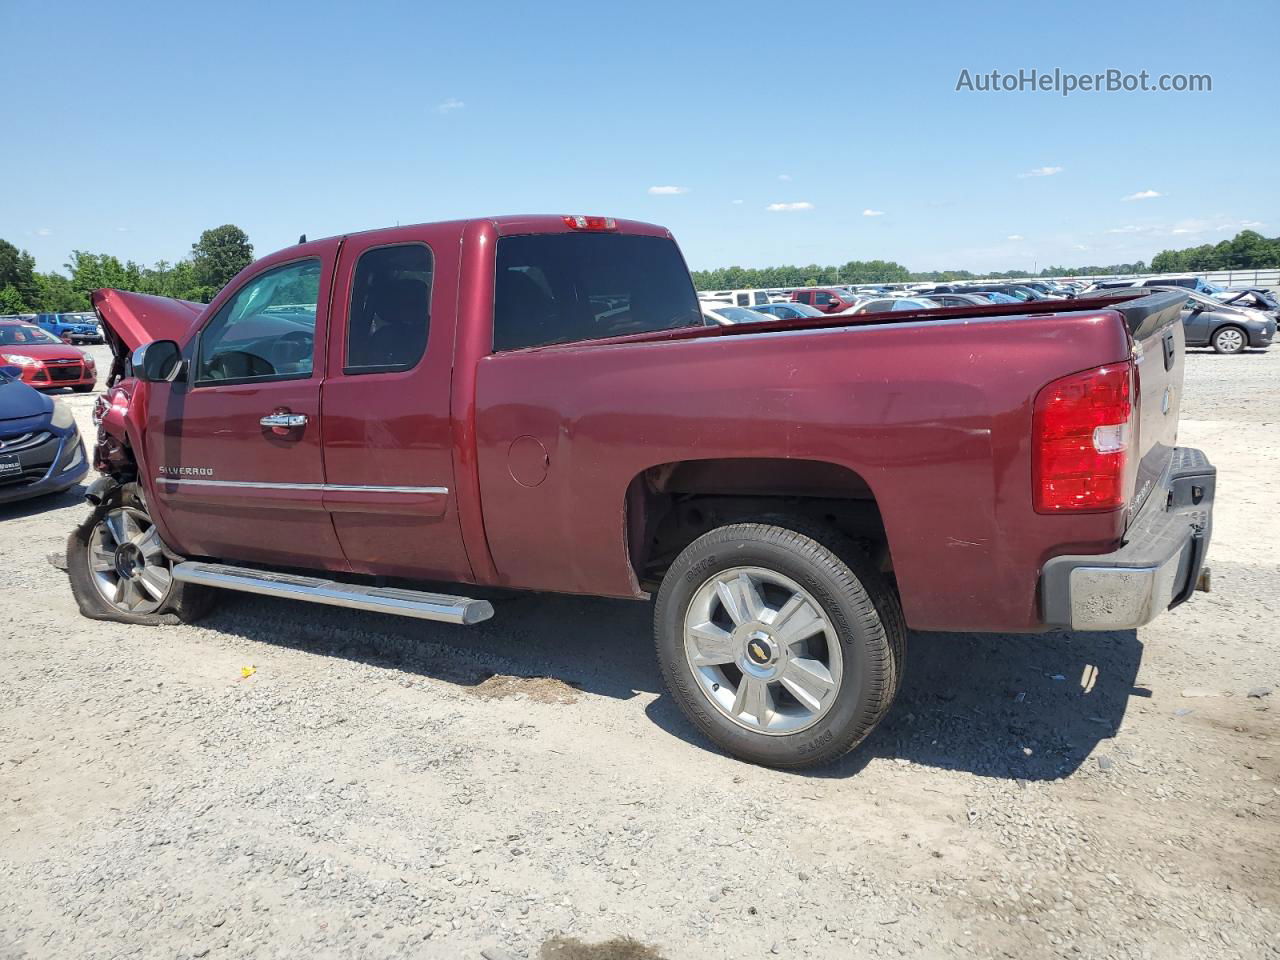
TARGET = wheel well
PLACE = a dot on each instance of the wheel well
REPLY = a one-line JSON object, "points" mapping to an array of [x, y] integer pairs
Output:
{"points": [[672, 504]]}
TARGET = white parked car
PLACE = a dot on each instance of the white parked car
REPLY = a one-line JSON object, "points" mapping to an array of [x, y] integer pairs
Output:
{"points": [[726, 315]]}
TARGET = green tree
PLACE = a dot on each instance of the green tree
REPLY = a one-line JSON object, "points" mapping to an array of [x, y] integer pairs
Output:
{"points": [[218, 256], [17, 269], [11, 300], [57, 295]]}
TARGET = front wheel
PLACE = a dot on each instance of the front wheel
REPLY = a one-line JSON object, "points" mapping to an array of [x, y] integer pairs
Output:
{"points": [[120, 571], [780, 642], [1229, 340], [82, 387]]}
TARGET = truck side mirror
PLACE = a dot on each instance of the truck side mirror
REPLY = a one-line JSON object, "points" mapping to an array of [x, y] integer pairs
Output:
{"points": [[157, 362]]}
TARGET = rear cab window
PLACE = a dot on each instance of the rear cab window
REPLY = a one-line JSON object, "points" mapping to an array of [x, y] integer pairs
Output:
{"points": [[566, 288]]}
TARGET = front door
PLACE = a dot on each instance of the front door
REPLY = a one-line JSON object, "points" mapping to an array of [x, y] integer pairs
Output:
{"points": [[1195, 324], [235, 453], [388, 440]]}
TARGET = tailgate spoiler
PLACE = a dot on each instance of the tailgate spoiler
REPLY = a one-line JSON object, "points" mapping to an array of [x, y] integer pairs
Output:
{"points": [[1145, 314]]}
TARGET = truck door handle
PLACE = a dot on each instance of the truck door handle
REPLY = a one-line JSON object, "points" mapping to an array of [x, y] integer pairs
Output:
{"points": [[286, 420]]}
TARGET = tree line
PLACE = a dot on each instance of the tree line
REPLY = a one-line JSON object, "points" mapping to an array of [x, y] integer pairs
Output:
{"points": [[1247, 251], [215, 258]]}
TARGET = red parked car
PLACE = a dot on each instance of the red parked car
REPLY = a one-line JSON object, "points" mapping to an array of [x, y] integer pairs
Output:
{"points": [[535, 403], [46, 362], [827, 299]]}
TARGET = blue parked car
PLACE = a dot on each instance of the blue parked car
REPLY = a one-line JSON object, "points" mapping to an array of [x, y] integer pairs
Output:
{"points": [[70, 327], [40, 447]]}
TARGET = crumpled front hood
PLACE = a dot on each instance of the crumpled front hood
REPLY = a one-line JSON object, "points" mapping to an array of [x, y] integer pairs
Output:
{"points": [[138, 318]]}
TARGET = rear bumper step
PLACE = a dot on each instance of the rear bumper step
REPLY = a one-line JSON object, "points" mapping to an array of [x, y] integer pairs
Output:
{"points": [[403, 603]]}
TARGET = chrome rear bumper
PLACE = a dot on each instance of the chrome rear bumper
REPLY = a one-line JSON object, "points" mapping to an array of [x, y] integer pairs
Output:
{"points": [[1160, 565]]}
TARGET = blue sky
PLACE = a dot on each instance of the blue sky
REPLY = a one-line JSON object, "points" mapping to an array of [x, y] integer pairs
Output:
{"points": [[133, 126]]}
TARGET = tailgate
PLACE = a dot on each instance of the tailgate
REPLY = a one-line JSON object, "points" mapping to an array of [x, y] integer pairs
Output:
{"points": [[1155, 324]]}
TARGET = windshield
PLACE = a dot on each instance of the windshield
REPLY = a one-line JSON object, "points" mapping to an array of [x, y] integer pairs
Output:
{"points": [[15, 335], [1201, 299]]}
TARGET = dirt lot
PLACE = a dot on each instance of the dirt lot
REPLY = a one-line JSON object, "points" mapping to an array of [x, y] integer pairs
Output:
{"points": [[378, 787]]}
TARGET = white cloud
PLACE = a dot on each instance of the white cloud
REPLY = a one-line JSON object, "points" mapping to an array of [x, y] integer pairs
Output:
{"points": [[1079, 246], [44, 232], [122, 229], [787, 207], [1143, 195], [784, 177], [1015, 236], [737, 201], [872, 213], [1040, 172], [667, 191], [1183, 230], [453, 103], [1251, 224], [1130, 228]]}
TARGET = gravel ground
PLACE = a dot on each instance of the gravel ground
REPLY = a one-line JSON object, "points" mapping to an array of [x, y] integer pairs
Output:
{"points": [[387, 788]]}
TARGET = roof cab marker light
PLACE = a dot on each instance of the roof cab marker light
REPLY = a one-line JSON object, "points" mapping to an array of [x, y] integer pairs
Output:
{"points": [[590, 223]]}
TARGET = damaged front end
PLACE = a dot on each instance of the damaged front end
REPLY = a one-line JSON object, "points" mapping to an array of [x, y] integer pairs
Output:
{"points": [[130, 320]]}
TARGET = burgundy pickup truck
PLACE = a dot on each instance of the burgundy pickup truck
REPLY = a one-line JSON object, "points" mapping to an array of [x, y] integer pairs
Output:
{"points": [[534, 403]]}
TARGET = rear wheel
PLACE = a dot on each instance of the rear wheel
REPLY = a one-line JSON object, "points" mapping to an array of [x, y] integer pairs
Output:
{"points": [[1229, 340], [780, 641], [120, 570]]}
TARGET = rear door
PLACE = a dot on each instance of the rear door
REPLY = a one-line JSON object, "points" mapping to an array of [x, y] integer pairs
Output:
{"points": [[388, 450], [235, 450]]}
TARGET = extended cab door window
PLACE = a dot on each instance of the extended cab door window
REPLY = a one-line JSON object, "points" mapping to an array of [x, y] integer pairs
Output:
{"points": [[266, 331], [390, 314]]}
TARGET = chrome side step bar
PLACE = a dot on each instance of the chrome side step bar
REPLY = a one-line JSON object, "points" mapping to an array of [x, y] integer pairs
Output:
{"points": [[404, 603]]}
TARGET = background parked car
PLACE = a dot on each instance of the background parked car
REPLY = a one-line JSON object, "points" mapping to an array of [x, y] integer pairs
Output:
{"points": [[1256, 298], [725, 315], [70, 328], [44, 360], [1228, 329], [789, 311], [826, 299], [40, 448], [888, 304], [962, 299]]}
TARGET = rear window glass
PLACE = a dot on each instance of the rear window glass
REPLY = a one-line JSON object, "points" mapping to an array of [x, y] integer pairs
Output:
{"points": [[562, 288]]}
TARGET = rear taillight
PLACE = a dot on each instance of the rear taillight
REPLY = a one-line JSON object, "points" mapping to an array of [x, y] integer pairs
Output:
{"points": [[1081, 430], [590, 223]]}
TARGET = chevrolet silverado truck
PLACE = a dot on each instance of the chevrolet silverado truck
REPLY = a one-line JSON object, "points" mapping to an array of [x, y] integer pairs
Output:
{"points": [[392, 420]]}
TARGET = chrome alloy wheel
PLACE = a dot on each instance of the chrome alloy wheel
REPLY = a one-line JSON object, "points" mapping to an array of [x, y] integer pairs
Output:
{"points": [[1230, 340], [762, 650], [127, 562]]}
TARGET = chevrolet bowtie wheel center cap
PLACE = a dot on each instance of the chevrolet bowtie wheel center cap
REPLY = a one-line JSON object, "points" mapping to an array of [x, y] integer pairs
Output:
{"points": [[761, 650]]}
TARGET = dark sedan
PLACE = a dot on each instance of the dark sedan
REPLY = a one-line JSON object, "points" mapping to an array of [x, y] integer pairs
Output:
{"points": [[40, 448], [1207, 322], [788, 311]]}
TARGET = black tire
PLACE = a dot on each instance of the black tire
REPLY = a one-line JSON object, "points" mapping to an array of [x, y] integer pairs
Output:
{"points": [[1234, 345], [182, 603], [82, 387], [857, 601]]}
